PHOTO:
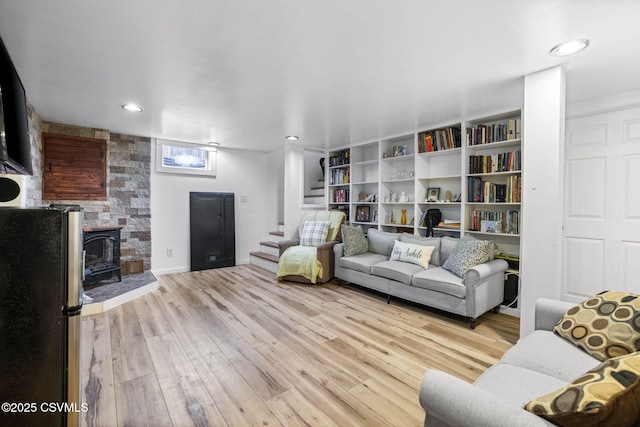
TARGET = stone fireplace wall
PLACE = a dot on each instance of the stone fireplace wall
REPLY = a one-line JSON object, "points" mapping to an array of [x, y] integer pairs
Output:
{"points": [[128, 190]]}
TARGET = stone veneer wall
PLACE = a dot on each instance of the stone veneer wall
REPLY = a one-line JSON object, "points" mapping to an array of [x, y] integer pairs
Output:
{"points": [[128, 192]]}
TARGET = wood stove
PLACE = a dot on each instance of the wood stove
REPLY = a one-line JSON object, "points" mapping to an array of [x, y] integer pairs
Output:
{"points": [[102, 253]]}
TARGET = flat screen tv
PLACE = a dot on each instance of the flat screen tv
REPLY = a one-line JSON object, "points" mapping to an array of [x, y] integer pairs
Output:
{"points": [[15, 145]]}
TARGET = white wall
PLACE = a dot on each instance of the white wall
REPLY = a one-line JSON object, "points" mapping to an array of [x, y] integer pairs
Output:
{"points": [[245, 173], [541, 223]]}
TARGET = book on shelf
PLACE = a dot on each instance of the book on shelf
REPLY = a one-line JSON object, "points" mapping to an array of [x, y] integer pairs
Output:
{"points": [[501, 131], [450, 224], [439, 140], [480, 191], [507, 222], [340, 196], [503, 162], [339, 176]]}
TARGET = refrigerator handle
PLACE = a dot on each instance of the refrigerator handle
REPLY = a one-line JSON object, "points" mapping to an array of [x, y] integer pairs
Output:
{"points": [[84, 259]]}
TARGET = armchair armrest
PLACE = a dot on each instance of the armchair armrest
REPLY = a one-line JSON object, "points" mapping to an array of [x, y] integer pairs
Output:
{"points": [[283, 245], [549, 312], [455, 402]]}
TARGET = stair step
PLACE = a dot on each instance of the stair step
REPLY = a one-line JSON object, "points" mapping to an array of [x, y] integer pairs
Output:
{"points": [[266, 261], [270, 247], [265, 255], [277, 233]]}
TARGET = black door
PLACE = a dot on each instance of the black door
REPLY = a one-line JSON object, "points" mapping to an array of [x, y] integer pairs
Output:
{"points": [[213, 242]]}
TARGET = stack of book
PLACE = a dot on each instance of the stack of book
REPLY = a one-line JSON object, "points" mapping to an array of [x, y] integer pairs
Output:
{"points": [[438, 140], [480, 191], [495, 222], [503, 131], [503, 162]]}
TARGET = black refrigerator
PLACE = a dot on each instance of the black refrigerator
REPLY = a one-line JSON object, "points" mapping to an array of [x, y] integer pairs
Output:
{"points": [[41, 268], [213, 238]]}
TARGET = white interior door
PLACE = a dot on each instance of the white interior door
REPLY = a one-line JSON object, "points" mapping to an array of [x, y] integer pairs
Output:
{"points": [[601, 238]]}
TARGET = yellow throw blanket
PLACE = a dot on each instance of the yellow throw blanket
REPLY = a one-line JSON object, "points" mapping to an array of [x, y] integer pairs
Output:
{"points": [[300, 261]]}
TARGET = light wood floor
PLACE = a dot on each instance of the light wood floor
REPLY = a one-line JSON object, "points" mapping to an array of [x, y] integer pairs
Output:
{"points": [[233, 347]]}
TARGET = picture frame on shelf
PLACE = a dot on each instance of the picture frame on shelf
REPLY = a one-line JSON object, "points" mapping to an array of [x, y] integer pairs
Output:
{"points": [[363, 213], [433, 194]]}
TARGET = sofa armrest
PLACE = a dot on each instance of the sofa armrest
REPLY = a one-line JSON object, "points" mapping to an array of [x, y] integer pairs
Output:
{"points": [[480, 272], [448, 400], [283, 245], [549, 312]]}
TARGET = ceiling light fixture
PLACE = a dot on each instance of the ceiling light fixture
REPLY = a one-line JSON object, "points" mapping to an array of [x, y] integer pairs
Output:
{"points": [[213, 143], [569, 48], [291, 138], [133, 108]]}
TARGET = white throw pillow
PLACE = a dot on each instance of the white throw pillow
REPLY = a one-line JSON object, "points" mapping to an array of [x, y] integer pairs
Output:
{"points": [[314, 233], [409, 252]]}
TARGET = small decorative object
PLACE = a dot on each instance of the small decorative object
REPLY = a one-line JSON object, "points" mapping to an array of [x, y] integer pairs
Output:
{"points": [[375, 216], [362, 213], [404, 198], [396, 151], [394, 197], [386, 155], [403, 216], [448, 196], [412, 174], [392, 220], [405, 151], [433, 194], [362, 197], [386, 198]]}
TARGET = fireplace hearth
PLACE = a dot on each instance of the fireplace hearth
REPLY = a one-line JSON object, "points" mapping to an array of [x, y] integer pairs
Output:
{"points": [[102, 254]]}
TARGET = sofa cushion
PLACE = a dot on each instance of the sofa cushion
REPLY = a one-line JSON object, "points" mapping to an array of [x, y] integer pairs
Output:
{"points": [[425, 241], [355, 243], [545, 352], [516, 386], [606, 325], [396, 270], [314, 233], [381, 242], [447, 246], [440, 280], [362, 262], [468, 252], [609, 394], [410, 252]]}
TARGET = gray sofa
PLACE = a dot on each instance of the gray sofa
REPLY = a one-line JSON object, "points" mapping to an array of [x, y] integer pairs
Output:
{"points": [[539, 363], [481, 290]]}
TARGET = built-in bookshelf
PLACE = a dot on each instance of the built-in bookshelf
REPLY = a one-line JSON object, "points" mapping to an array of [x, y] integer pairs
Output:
{"points": [[339, 180], [470, 170]]}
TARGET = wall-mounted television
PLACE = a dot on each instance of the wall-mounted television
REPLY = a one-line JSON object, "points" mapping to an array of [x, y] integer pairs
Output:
{"points": [[15, 145]]}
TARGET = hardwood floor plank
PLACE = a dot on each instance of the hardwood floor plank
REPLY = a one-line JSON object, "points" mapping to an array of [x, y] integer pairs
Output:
{"points": [[187, 399], [128, 349], [140, 403], [235, 399], [96, 374], [293, 409], [235, 347]]}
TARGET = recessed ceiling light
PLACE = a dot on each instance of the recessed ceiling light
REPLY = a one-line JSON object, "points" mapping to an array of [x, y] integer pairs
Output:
{"points": [[291, 138], [132, 107], [213, 143], [569, 48]]}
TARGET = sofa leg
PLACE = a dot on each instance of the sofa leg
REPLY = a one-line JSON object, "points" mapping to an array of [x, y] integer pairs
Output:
{"points": [[472, 323], [388, 298], [496, 309]]}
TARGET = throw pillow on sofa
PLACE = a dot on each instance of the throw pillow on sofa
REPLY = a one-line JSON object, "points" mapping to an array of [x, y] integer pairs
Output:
{"points": [[607, 395], [409, 252], [314, 233], [355, 243], [468, 253], [606, 325]]}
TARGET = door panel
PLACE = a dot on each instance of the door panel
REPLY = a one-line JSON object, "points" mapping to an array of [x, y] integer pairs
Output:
{"points": [[212, 230]]}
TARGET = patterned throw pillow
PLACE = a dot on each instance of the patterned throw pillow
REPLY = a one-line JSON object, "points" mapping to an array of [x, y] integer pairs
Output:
{"points": [[469, 252], [606, 325], [354, 241], [314, 233], [607, 395], [409, 252]]}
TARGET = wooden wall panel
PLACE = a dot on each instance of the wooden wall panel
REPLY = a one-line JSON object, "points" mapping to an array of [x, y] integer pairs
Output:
{"points": [[74, 168]]}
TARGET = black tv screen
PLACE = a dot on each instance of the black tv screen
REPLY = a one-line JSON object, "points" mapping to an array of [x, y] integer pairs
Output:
{"points": [[15, 145]]}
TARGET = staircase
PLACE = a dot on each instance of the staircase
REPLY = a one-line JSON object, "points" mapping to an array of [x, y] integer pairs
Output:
{"points": [[315, 195], [267, 257]]}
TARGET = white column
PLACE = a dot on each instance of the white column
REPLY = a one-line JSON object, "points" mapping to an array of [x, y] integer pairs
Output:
{"points": [[542, 192]]}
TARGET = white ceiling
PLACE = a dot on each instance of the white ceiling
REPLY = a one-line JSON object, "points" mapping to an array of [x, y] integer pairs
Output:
{"points": [[246, 73]]}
